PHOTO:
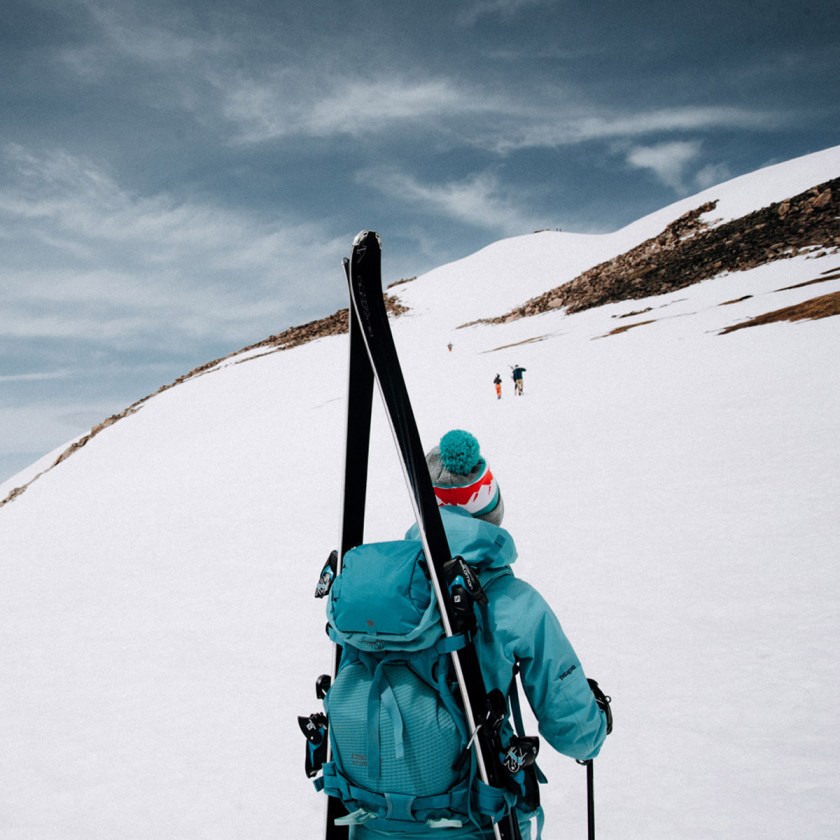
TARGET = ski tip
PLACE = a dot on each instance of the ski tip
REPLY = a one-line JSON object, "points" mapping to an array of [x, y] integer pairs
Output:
{"points": [[365, 234]]}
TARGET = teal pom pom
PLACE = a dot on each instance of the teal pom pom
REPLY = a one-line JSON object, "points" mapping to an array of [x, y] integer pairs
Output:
{"points": [[459, 452]]}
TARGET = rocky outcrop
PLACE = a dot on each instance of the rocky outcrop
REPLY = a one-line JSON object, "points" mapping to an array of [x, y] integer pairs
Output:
{"points": [[690, 250], [335, 324], [825, 306]]}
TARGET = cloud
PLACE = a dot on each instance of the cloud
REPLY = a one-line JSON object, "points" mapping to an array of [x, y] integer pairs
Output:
{"points": [[298, 91], [44, 376], [711, 175], [86, 258], [686, 118], [543, 125], [673, 163], [120, 32], [479, 201], [667, 161], [487, 8], [306, 86], [285, 105]]}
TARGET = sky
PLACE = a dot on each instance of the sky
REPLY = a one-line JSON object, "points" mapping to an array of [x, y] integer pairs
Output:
{"points": [[180, 180]]}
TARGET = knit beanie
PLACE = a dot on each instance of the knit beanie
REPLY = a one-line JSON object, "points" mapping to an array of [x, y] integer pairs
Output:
{"points": [[461, 477]]}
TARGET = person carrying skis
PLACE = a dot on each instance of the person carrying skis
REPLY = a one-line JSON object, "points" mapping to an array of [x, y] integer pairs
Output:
{"points": [[518, 382], [517, 629], [415, 738], [402, 762], [498, 383]]}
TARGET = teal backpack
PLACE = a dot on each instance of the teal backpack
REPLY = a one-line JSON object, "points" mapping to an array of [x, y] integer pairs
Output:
{"points": [[397, 733]]}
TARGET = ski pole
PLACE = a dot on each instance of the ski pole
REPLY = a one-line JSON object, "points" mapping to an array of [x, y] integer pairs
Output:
{"points": [[603, 702], [590, 797]]}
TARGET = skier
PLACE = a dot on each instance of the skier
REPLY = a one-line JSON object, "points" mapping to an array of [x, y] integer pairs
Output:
{"points": [[517, 629], [510, 630], [518, 382], [498, 383]]}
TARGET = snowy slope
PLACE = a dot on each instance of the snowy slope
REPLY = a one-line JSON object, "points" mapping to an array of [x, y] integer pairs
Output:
{"points": [[507, 273], [673, 492]]}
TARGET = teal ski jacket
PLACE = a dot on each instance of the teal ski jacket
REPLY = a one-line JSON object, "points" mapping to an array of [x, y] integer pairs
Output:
{"points": [[517, 626]]}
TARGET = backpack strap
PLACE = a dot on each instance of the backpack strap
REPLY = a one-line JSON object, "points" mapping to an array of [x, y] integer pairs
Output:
{"points": [[519, 727], [516, 715], [489, 802], [381, 696], [515, 705]]}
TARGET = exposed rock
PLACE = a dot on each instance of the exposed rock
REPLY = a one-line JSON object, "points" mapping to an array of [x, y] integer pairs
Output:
{"points": [[825, 306], [689, 250], [634, 313], [626, 327], [335, 324]]}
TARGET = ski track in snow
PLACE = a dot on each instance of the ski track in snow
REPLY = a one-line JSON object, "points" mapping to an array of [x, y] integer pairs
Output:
{"points": [[673, 493]]}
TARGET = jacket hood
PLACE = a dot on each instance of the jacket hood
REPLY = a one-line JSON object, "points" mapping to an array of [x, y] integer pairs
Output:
{"points": [[483, 545]]}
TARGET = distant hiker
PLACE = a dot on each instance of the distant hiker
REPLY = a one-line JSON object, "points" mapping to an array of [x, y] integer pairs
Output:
{"points": [[518, 382], [498, 383], [449, 346]]}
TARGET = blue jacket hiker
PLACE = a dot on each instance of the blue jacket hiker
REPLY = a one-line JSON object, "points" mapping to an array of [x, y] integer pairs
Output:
{"points": [[516, 632], [518, 381]]}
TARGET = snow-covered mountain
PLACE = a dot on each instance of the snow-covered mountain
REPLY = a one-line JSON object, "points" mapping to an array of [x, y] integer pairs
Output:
{"points": [[672, 490]]}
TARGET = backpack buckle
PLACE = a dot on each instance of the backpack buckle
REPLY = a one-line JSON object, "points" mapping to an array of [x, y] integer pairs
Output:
{"points": [[464, 591], [315, 729], [327, 578], [522, 752]]}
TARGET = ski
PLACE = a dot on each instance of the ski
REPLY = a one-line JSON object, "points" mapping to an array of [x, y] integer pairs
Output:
{"points": [[368, 307], [354, 492], [357, 440]]}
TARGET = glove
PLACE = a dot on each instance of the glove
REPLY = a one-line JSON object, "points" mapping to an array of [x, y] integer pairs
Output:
{"points": [[603, 702]]}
